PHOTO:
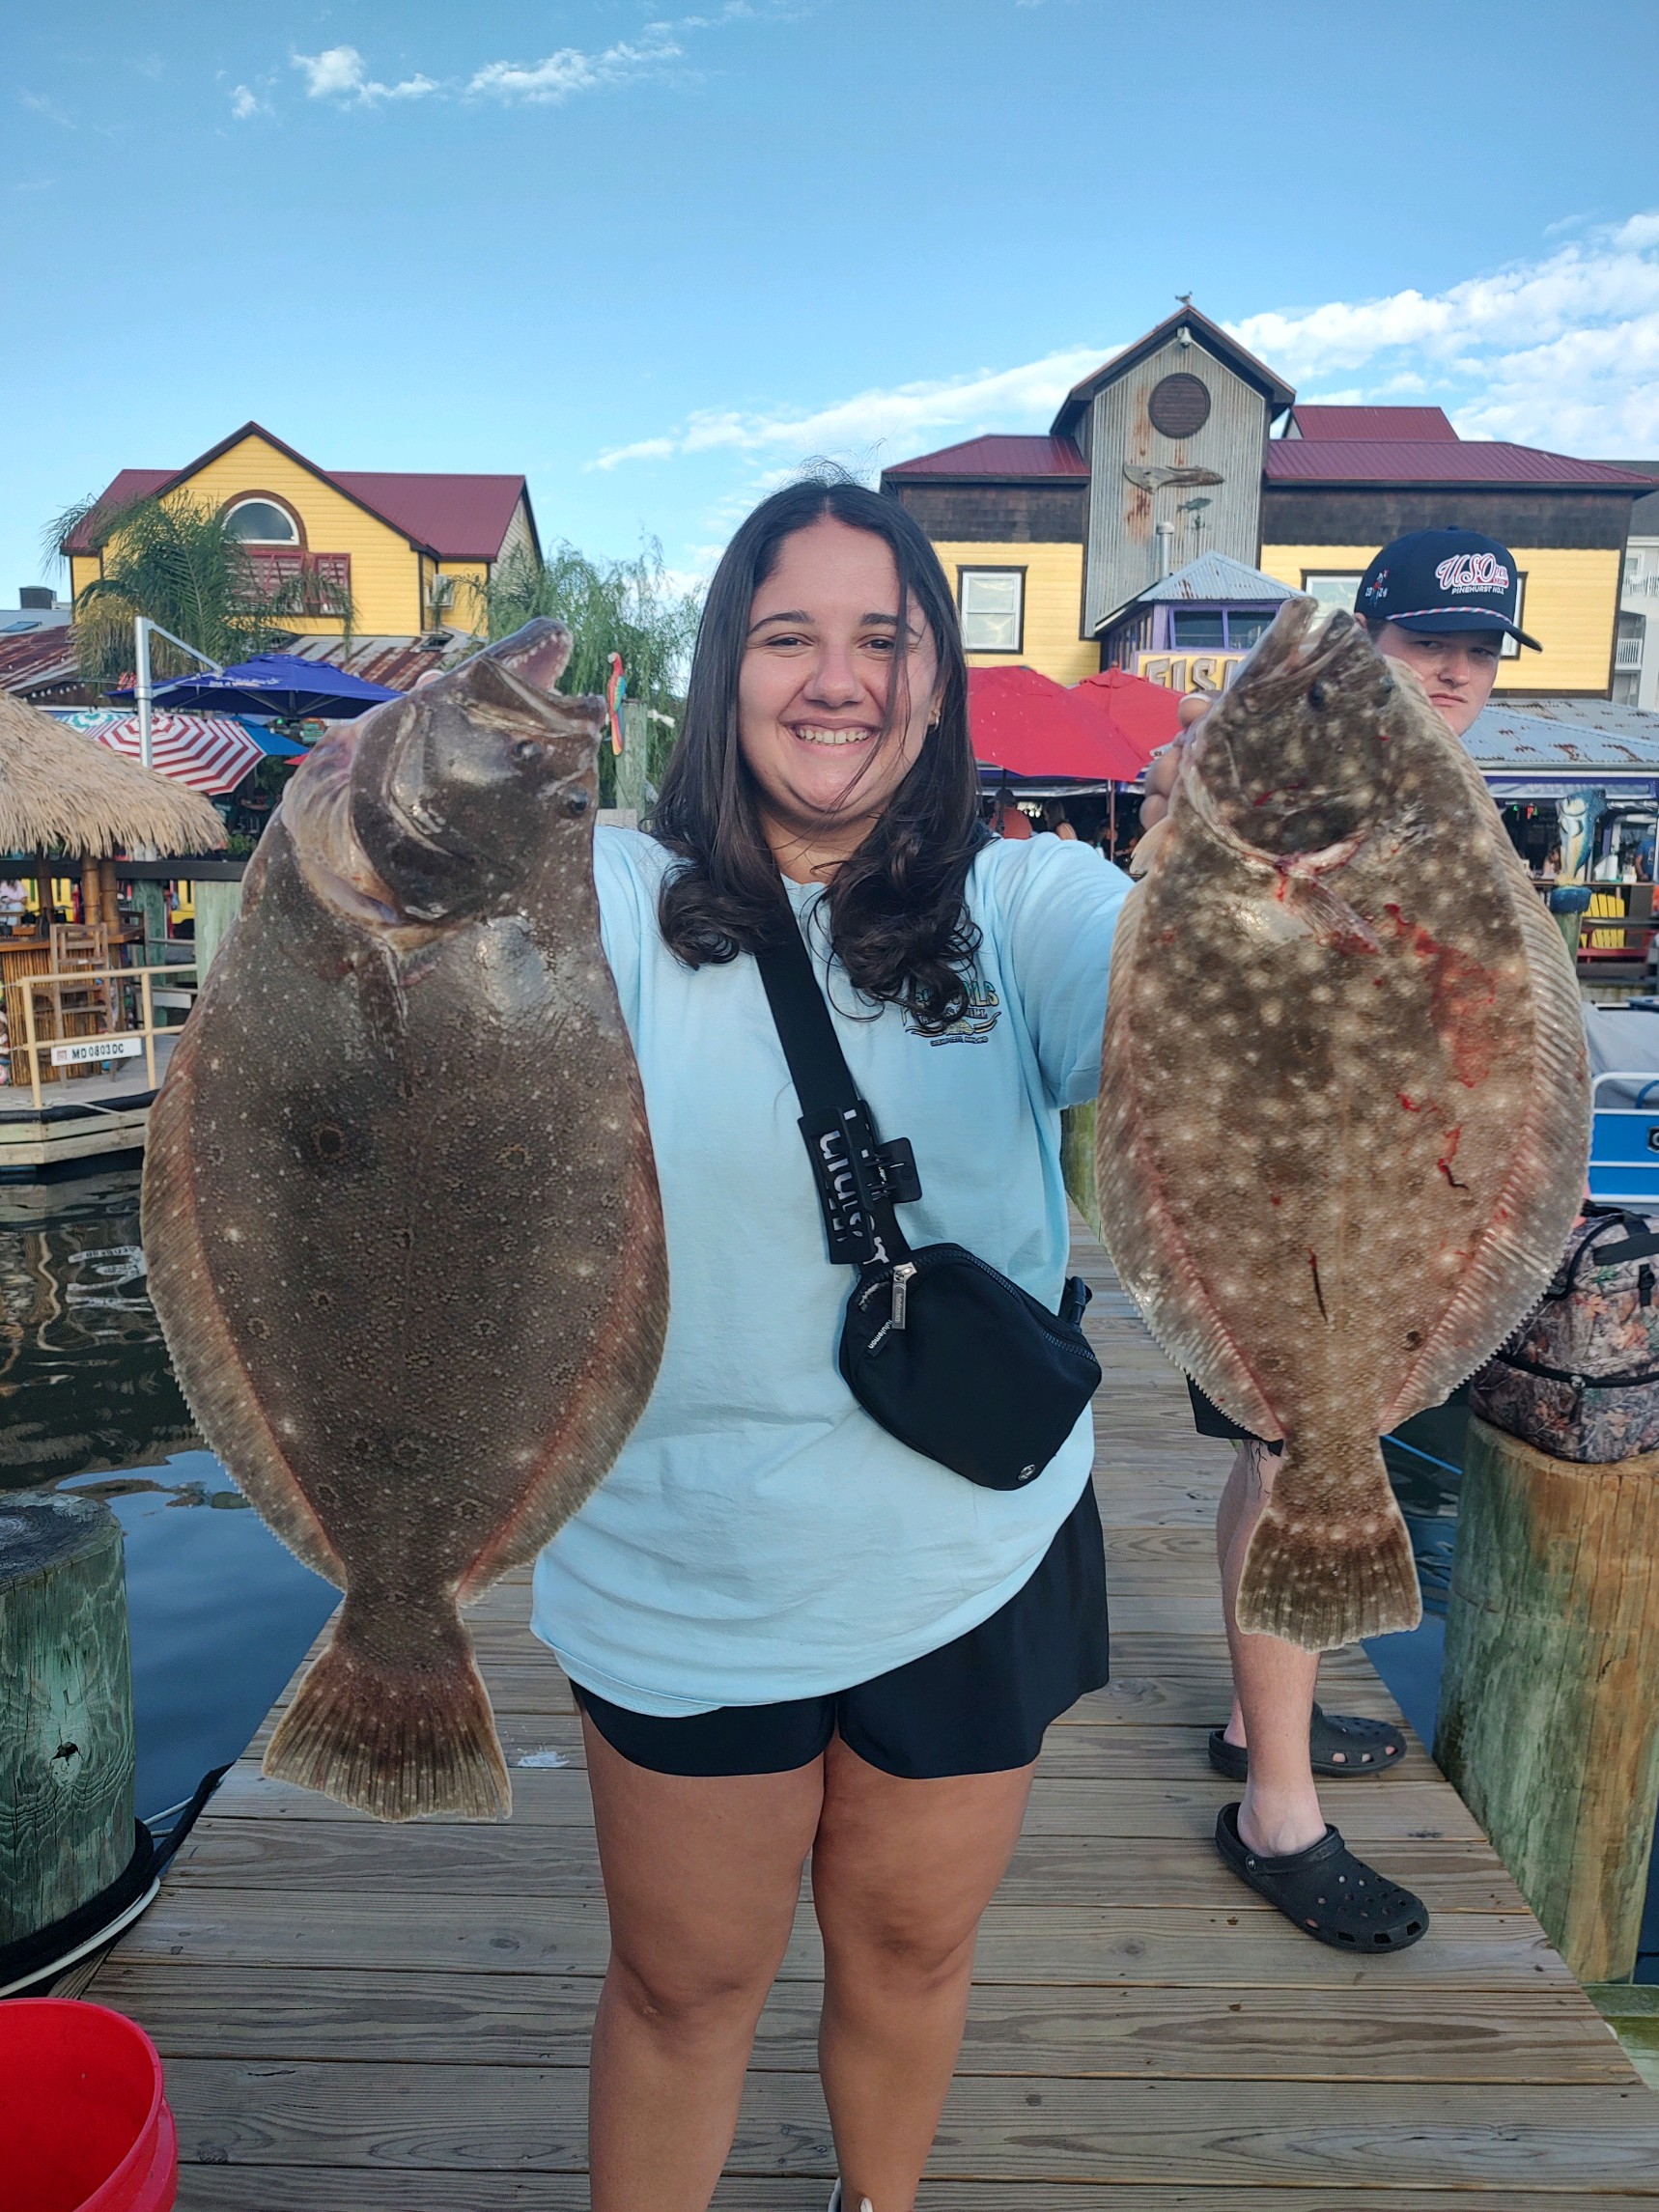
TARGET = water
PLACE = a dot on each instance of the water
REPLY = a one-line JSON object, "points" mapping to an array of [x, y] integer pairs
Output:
{"points": [[220, 1612]]}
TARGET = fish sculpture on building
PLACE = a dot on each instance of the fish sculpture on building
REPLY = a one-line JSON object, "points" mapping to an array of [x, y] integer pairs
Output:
{"points": [[1344, 1108], [400, 1205]]}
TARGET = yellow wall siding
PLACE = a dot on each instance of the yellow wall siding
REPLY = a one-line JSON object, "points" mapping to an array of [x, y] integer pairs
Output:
{"points": [[84, 568], [1570, 605], [1054, 604], [386, 578], [465, 610]]}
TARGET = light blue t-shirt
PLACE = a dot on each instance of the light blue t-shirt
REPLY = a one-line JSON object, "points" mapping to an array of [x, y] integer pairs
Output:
{"points": [[761, 1537]]}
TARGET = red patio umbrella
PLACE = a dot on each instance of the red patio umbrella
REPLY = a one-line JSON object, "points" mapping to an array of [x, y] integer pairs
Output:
{"points": [[1143, 717], [1028, 725]]}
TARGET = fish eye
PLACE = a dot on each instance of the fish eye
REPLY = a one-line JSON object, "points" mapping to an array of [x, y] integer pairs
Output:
{"points": [[526, 749], [1317, 694], [575, 802]]}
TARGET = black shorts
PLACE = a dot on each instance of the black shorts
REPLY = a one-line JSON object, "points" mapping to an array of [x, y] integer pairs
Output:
{"points": [[1209, 1420], [977, 1706]]}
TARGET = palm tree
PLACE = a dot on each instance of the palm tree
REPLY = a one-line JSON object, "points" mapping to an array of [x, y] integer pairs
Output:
{"points": [[627, 608], [180, 564]]}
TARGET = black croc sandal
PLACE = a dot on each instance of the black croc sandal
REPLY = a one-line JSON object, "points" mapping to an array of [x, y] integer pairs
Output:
{"points": [[1330, 1894], [1340, 1745]]}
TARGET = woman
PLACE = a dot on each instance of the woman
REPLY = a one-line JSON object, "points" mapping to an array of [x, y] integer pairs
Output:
{"points": [[791, 1636]]}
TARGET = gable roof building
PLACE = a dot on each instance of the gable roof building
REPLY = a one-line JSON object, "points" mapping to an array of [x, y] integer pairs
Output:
{"points": [[1185, 445], [413, 551]]}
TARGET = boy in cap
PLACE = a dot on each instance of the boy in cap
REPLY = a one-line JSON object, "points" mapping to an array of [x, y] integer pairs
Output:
{"points": [[1442, 602]]}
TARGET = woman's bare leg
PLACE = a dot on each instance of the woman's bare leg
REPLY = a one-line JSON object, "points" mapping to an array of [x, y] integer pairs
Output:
{"points": [[901, 1875], [702, 1881], [1273, 1682]]}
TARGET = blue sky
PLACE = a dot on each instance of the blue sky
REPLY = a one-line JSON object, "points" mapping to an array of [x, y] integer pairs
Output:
{"points": [[656, 261]]}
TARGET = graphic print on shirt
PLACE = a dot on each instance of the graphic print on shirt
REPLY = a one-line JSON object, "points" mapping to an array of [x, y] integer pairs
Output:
{"points": [[984, 1012]]}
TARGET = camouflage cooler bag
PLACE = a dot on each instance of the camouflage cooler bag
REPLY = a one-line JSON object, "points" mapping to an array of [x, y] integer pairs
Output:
{"points": [[1580, 1378]]}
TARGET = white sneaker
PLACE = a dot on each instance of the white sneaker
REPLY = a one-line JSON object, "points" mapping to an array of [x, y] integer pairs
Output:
{"points": [[864, 2204]]}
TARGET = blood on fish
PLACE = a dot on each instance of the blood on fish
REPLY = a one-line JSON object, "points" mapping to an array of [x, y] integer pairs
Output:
{"points": [[1444, 1163], [1463, 998]]}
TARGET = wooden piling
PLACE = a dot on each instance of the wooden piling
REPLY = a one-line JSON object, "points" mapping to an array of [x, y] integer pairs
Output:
{"points": [[66, 1708], [1549, 1713]]}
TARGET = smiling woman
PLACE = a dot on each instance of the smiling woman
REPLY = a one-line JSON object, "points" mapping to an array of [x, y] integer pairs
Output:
{"points": [[793, 1626], [814, 743]]}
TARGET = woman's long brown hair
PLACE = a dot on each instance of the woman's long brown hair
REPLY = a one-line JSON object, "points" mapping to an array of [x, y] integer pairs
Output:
{"points": [[895, 906]]}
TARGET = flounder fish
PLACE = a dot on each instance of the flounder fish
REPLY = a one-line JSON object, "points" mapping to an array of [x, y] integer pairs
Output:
{"points": [[400, 1205], [1344, 1108]]}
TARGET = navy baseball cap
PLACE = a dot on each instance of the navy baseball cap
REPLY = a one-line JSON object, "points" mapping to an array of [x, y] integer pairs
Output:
{"points": [[1444, 581]]}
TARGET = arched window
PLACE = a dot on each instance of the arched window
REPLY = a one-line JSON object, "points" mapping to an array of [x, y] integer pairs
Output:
{"points": [[262, 522]]}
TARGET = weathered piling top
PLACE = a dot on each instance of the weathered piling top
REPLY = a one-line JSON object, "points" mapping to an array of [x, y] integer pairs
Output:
{"points": [[354, 2017]]}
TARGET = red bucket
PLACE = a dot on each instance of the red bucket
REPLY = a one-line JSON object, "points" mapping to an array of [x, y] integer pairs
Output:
{"points": [[84, 2126]]}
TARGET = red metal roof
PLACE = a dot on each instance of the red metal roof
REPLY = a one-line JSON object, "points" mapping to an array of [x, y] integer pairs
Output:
{"points": [[456, 518], [461, 517], [1326, 423], [1434, 460], [997, 457], [131, 484], [43, 661]]}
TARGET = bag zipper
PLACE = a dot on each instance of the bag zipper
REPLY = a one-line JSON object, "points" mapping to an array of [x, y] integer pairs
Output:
{"points": [[899, 1294]]}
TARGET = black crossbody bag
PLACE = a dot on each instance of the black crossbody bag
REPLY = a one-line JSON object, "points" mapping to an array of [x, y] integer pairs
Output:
{"points": [[948, 1354]]}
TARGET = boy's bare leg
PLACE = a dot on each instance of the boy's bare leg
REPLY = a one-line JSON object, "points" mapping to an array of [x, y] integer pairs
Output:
{"points": [[1273, 1682]]}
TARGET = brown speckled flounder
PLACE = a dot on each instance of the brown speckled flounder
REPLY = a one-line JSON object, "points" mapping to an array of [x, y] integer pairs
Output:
{"points": [[399, 1206], [1344, 1111]]}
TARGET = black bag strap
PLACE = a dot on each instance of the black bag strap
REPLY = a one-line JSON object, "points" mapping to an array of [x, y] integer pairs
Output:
{"points": [[859, 1179], [1640, 1242]]}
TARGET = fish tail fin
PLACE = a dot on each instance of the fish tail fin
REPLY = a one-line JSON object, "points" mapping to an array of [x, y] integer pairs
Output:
{"points": [[1330, 1561], [394, 1734]]}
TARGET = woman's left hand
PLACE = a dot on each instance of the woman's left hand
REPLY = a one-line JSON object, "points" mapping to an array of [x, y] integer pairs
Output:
{"points": [[1169, 765]]}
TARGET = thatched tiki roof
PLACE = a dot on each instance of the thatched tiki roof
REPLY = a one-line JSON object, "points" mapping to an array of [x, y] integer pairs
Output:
{"points": [[64, 792]]}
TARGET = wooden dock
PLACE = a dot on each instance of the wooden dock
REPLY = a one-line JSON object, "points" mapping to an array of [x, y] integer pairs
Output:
{"points": [[357, 2018]]}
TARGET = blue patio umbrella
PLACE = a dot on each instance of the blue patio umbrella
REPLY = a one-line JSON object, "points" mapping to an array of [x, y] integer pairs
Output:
{"points": [[279, 683]]}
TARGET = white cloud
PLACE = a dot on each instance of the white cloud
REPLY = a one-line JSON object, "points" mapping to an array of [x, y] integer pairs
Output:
{"points": [[876, 425], [570, 70], [243, 104], [337, 73], [1561, 351]]}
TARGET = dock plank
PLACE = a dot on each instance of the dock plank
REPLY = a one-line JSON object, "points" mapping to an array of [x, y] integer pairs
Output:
{"points": [[381, 2020], [304, 2188], [532, 2119], [1086, 2032]]}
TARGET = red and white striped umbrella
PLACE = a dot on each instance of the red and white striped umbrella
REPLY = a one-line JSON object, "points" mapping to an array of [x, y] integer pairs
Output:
{"points": [[211, 753]]}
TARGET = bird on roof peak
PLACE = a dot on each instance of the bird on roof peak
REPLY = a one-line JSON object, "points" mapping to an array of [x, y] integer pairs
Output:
{"points": [[1185, 297]]}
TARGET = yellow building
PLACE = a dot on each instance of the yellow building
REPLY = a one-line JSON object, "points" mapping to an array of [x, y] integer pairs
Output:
{"points": [[410, 552], [1184, 447]]}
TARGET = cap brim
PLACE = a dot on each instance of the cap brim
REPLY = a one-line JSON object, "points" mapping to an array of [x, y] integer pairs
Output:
{"points": [[1447, 621]]}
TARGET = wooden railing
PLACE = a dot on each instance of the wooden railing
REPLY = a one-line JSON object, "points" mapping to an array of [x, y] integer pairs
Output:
{"points": [[90, 1051]]}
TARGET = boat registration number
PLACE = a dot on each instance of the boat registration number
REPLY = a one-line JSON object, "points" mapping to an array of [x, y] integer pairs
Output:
{"points": [[96, 1049]]}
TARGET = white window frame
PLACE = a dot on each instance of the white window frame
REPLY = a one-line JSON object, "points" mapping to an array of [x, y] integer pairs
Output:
{"points": [[1353, 578], [966, 577], [265, 499]]}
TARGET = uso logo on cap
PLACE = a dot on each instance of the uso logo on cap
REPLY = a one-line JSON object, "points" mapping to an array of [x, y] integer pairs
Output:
{"points": [[1473, 572]]}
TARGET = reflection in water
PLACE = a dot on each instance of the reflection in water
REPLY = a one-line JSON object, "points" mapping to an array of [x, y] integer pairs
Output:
{"points": [[84, 1380], [220, 1614]]}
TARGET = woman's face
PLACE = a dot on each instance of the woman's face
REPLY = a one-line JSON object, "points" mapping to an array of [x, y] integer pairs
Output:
{"points": [[822, 649]]}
